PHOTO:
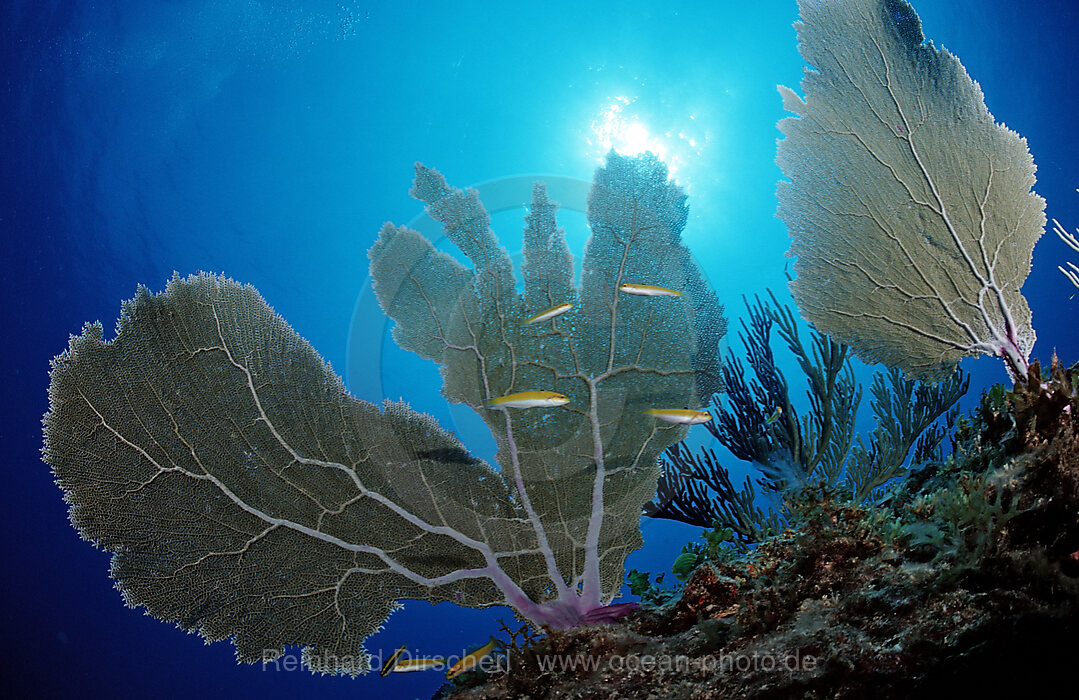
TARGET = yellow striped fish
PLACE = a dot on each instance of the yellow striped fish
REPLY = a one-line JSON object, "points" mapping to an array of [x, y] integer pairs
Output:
{"points": [[426, 664], [548, 314], [529, 399], [681, 416], [471, 660], [391, 662], [649, 290]]}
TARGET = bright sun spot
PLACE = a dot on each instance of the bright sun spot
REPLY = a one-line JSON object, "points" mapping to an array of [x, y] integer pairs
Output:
{"points": [[623, 132], [617, 126], [634, 139]]}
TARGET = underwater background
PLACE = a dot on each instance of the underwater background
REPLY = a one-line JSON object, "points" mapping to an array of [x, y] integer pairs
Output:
{"points": [[270, 140]]}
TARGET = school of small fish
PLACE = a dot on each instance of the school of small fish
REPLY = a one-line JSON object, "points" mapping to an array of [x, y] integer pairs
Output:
{"points": [[551, 399]]}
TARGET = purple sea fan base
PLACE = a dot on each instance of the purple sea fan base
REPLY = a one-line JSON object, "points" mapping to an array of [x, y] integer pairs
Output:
{"points": [[573, 612], [609, 613]]}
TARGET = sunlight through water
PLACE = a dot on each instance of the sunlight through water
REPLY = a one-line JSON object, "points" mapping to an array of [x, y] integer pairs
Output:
{"points": [[621, 127]]}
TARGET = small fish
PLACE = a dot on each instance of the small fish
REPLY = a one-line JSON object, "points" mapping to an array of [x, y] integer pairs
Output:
{"points": [[391, 662], [548, 314], [471, 660], [775, 416], [410, 665], [649, 290], [681, 416], [529, 399]]}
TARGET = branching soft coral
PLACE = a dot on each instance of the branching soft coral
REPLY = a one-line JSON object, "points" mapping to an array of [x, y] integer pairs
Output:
{"points": [[759, 423]]}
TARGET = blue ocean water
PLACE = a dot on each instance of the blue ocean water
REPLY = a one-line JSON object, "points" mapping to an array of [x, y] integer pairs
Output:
{"points": [[271, 140]]}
